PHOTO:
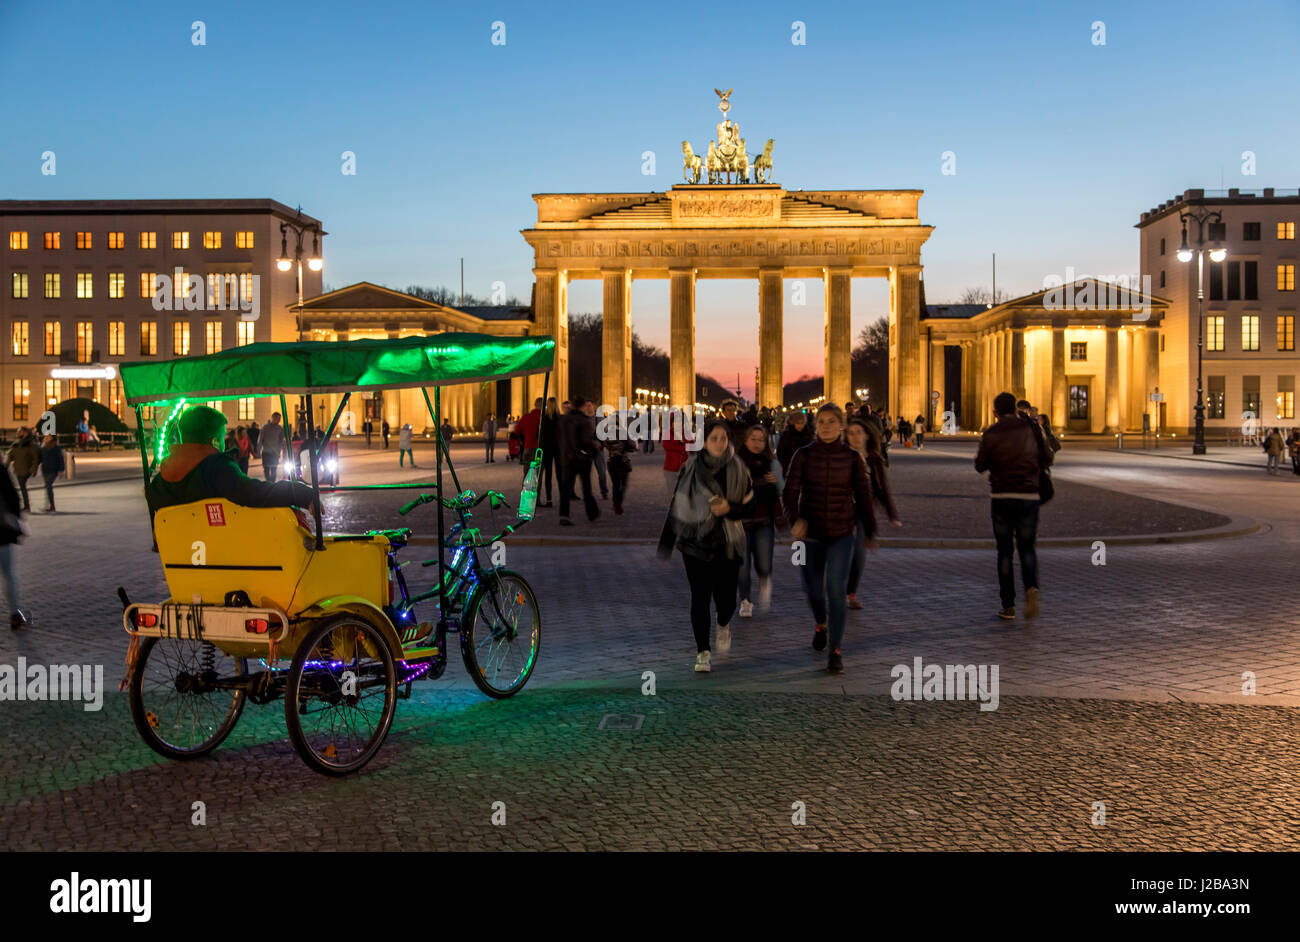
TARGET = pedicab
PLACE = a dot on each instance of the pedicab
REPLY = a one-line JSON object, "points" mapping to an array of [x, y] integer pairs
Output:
{"points": [[264, 605]]}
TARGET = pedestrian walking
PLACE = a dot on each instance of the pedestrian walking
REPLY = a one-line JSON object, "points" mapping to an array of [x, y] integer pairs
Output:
{"points": [[577, 441], [52, 465], [404, 445], [1273, 447], [24, 458], [619, 450], [866, 439], [1045, 423], [918, 431], [448, 433], [490, 438], [795, 435], [254, 434], [273, 445], [760, 528], [827, 491], [736, 427], [244, 448], [368, 427], [549, 437], [384, 430], [1293, 450], [674, 447], [528, 428], [712, 498], [12, 531], [1015, 454], [598, 458]]}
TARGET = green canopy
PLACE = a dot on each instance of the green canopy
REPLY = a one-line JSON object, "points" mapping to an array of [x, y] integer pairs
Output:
{"points": [[324, 366]]}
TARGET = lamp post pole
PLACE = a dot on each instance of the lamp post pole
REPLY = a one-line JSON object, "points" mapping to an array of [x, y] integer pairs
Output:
{"points": [[314, 262], [1217, 254]]}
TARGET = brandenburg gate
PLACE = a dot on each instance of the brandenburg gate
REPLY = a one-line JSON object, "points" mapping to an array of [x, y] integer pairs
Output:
{"points": [[725, 229]]}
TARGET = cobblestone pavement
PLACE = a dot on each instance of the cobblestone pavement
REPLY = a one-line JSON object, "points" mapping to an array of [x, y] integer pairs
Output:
{"points": [[1089, 707]]}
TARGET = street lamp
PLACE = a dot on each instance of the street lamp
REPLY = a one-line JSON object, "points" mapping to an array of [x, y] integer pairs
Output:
{"points": [[1217, 254]]}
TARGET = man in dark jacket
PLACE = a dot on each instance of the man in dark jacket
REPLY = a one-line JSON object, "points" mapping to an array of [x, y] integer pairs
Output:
{"points": [[737, 428], [577, 442], [197, 468], [1014, 453], [24, 459], [795, 435]]}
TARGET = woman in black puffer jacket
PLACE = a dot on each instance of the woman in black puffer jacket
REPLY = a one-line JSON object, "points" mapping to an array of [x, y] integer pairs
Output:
{"points": [[827, 493]]}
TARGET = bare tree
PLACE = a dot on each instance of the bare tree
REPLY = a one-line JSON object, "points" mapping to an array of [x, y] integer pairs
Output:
{"points": [[982, 295]]}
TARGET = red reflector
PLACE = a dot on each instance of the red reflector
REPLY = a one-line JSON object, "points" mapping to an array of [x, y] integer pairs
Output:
{"points": [[144, 619], [256, 625]]}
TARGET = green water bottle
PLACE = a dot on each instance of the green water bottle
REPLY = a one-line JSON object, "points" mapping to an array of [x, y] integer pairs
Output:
{"points": [[528, 499]]}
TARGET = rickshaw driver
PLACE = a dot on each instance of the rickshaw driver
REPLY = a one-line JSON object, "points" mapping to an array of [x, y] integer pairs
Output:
{"points": [[197, 468]]}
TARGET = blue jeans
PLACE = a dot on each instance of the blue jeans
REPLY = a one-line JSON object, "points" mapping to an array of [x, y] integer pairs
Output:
{"points": [[10, 568], [859, 558], [1015, 522], [759, 543], [826, 573], [599, 463], [401, 457]]}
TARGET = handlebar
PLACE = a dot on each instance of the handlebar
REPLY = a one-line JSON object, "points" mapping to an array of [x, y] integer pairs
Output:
{"points": [[460, 502]]}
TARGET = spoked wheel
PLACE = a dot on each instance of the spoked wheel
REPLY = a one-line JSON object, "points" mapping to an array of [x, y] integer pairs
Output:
{"points": [[341, 694], [177, 699], [502, 633]]}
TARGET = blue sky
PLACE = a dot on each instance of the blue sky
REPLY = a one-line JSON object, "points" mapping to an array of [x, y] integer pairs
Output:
{"points": [[1059, 143]]}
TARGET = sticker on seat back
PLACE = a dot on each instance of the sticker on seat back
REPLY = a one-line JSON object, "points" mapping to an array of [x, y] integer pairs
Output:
{"points": [[216, 515]]}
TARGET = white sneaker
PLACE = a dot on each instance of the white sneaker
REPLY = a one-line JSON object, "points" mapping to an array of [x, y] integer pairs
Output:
{"points": [[724, 639], [764, 593], [746, 608], [702, 664]]}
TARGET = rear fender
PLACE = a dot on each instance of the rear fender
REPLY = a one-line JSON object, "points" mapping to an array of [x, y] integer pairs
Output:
{"points": [[363, 609]]}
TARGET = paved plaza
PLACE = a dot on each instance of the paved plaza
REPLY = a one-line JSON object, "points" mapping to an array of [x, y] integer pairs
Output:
{"points": [[1128, 690]]}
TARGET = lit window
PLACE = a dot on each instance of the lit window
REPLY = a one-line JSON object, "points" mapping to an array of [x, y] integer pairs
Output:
{"points": [[53, 393], [22, 399], [180, 287], [117, 240], [1286, 331], [244, 332], [20, 339], [83, 240], [52, 240], [244, 239], [1250, 332], [1286, 403], [85, 342], [181, 339], [117, 284], [20, 284], [1286, 278], [148, 240], [1216, 398], [85, 285], [53, 285], [1214, 332], [246, 413], [148, 283], [1286, 230], [115, 397], [212, 240], [17, 241], [212, 332], [117, 338], [1078, 350], [180, 240], [246, 287], [148, 338], [53, 338]]}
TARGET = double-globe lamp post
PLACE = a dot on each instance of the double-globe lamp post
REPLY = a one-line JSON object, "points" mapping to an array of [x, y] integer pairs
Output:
{"points": [[1217, 254], [314, 262]]}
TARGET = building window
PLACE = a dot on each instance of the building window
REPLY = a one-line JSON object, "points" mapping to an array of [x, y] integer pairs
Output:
{"points": [[1250, 286], [53, 391], [1078, 402], [1250, 232], [148, 283], [148, 240], [20, 339], [17, 241], [20, 284], [52, 240], [85, 284], [212, 240], [1250, 400], [1162, 246], [246, 287], [180, 240], [83, 240], [1078, 350], [212, 332], [1286, 278], [1162, 278], [117, 338], [117, 240], [1286, 230], [1214, 333], [243, 333], [1286, 397], [85, 342], [1216, 281], [53, 338], [246, 413], [244, 239], [148, 338], [1216, 406], [181, 339], [1286, 331], [115, 398], [1234, 281], [117, 284], [1249, 332], [180, 287], [53, 285], [22, 398]]}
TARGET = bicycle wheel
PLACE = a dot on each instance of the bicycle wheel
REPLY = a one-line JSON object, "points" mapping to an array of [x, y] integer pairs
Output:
{"points": [[501, 633], [341, 695], [176, 706]]}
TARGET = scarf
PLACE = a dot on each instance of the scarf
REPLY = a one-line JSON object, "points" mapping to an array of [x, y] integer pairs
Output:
{"points": [[703, 477]]}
